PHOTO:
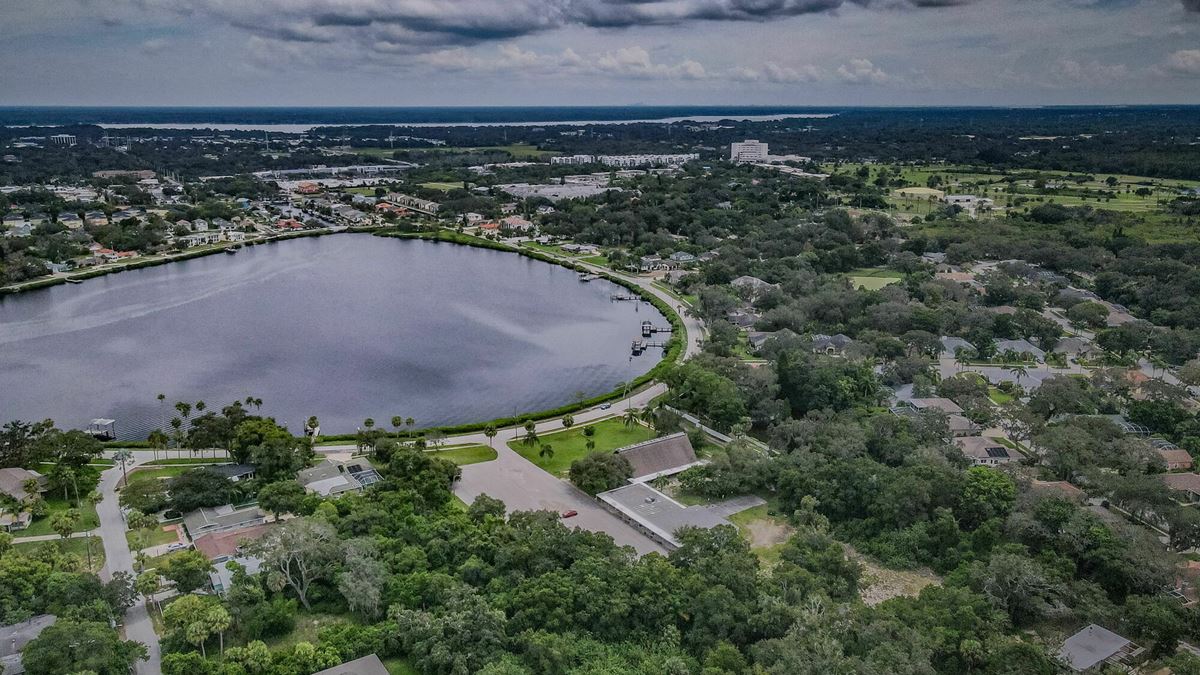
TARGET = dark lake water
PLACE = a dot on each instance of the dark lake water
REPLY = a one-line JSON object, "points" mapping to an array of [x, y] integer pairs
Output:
{"points": [[343, 327]]}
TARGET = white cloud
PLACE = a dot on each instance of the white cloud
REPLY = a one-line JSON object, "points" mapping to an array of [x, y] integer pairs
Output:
{"points": [[862, 71], [1091, 72], [1185, 62]]}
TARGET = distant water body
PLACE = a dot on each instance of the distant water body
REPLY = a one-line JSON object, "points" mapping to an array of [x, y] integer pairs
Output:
{"points": [[343, 327], [299, 120]]}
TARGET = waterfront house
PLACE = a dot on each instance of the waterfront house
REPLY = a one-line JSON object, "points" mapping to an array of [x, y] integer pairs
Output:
{"points": [[332, 477]]}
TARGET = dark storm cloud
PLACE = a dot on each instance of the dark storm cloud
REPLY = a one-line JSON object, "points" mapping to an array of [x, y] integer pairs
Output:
{"points": [[472, 21]]}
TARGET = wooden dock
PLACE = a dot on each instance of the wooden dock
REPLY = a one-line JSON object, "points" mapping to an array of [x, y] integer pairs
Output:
{"points": [[648, 329]]}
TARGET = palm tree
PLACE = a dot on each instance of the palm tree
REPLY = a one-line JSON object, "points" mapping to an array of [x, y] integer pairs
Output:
{"points": [[200, 406], [158, 441], [312, 425], [1018, 370], [397, 422], [177, 425], [64, 523], [123, 455], [490, 432], [630, 417], [531, 437], [568, 421], [546, 451], [589, 433], [218, 621], [94, 497]]}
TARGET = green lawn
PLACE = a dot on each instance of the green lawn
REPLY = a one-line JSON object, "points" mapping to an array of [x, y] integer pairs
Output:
{"points": [[998, 397], [399, 666], [873, 278], [155, 537], [444, 187], [471, 454], [308, 625], [186, 461], [40, 526], [140, 475], [571, 444], [74, 546]]}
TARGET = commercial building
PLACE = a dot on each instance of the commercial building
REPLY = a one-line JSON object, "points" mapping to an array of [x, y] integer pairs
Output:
{"points": [[748, 152], [573, 159], [62, 139]]}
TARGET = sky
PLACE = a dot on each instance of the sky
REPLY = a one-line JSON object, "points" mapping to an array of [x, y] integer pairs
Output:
{"points": [[598, 52]]}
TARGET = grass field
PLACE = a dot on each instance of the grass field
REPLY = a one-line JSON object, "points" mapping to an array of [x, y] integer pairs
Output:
{"points": [[155, 537], [471, 454], [76, 546], [873, 278], [998, 397], [444, 187], [571, 444], [766, 533], [140, 474], [40, 526], [186, 461]]}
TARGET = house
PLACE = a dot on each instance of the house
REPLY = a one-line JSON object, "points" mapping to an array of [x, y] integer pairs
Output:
{"points": [[508, 208], [12, 482], [200, 225], [1186, 486], [332, 477], [222, 546], [14, 637], [753, 285], [581, 249], [953, 345], [961, 426], [71, 221], [1022, 348], [759, 339], [95, 218], [13, 220], [682, 258], [367, 665], [944, 404], [652, 263], [199, 239], [983, 451], [1077, 348], [1059, 489], [742, 318], [658, 457], [834, 345], [517, 223], [289, 224], [308, 188], [472, 217], [234, 472], [221, 519], [1095, 646]]}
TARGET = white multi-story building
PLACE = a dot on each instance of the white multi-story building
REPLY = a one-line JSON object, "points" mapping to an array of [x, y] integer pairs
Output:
{"points": [[62, 139], [628, 161], [573, 159], [748, 151]]}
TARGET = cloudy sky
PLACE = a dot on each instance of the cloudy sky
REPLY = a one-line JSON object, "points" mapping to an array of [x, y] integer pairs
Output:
{"points": [[597, 52]]}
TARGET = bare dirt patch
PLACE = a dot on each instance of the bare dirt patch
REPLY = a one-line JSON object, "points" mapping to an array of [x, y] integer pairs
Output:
{"points": [[879, 583]]}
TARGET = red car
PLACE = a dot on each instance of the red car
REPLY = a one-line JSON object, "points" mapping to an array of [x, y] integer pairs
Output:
{"points": [[570, 514]]}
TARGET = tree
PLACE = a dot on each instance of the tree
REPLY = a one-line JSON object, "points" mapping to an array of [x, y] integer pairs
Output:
{"points": [[600, 472], [64, 523], [531, 435], [631, 416], [546, 451], [299, 552], [148, 585], [589, 435], [158, 440], [285, 496], [1090, 314], [568, 421], [123, 457], [199, 488], [490, 432], [80, 646], [188, 569], [363, 578], [217, 620], [275, 453], [986, 494]]}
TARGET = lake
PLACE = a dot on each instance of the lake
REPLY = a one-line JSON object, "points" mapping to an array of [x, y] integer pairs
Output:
{"points": [[343, 327]]}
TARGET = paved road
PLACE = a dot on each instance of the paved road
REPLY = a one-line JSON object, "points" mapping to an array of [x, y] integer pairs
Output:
{"points": [[118, 558], [53, 537]]}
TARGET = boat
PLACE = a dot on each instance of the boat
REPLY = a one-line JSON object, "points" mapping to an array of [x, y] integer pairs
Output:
{"points": [[231, 250], [73, 280]]}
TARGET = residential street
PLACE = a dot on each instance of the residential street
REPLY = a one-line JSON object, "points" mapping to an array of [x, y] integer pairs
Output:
{"points": [[119, 558]]}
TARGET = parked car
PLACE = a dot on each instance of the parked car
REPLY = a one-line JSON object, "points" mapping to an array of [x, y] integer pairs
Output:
{"points": [[570, 514]]}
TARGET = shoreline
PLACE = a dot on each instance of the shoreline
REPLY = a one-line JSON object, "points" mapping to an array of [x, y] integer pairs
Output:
{"points": [[674, 351]]}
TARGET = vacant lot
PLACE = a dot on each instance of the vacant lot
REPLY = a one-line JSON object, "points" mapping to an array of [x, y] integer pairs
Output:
{"points": [[571, 445], [471, 454], [766, 533]]}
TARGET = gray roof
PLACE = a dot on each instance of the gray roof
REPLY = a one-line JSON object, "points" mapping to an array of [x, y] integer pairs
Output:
{"points": [[944, 404], [14, 637], [220, 519], [1019, 346], [1090, 646], [660, 456], [12, 481], [951, 345], [367, 665], [658, 513], [232, 470], [331, 477]]}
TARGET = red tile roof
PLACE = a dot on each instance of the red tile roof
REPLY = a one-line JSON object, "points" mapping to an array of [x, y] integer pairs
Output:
{"points": [[220, 544]]}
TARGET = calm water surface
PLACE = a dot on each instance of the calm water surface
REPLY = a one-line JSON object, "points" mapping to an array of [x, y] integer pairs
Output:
{"points": [[343, 327]]}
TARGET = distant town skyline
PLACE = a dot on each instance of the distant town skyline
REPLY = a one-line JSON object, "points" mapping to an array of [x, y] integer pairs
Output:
{"points": [[599, 52]]}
